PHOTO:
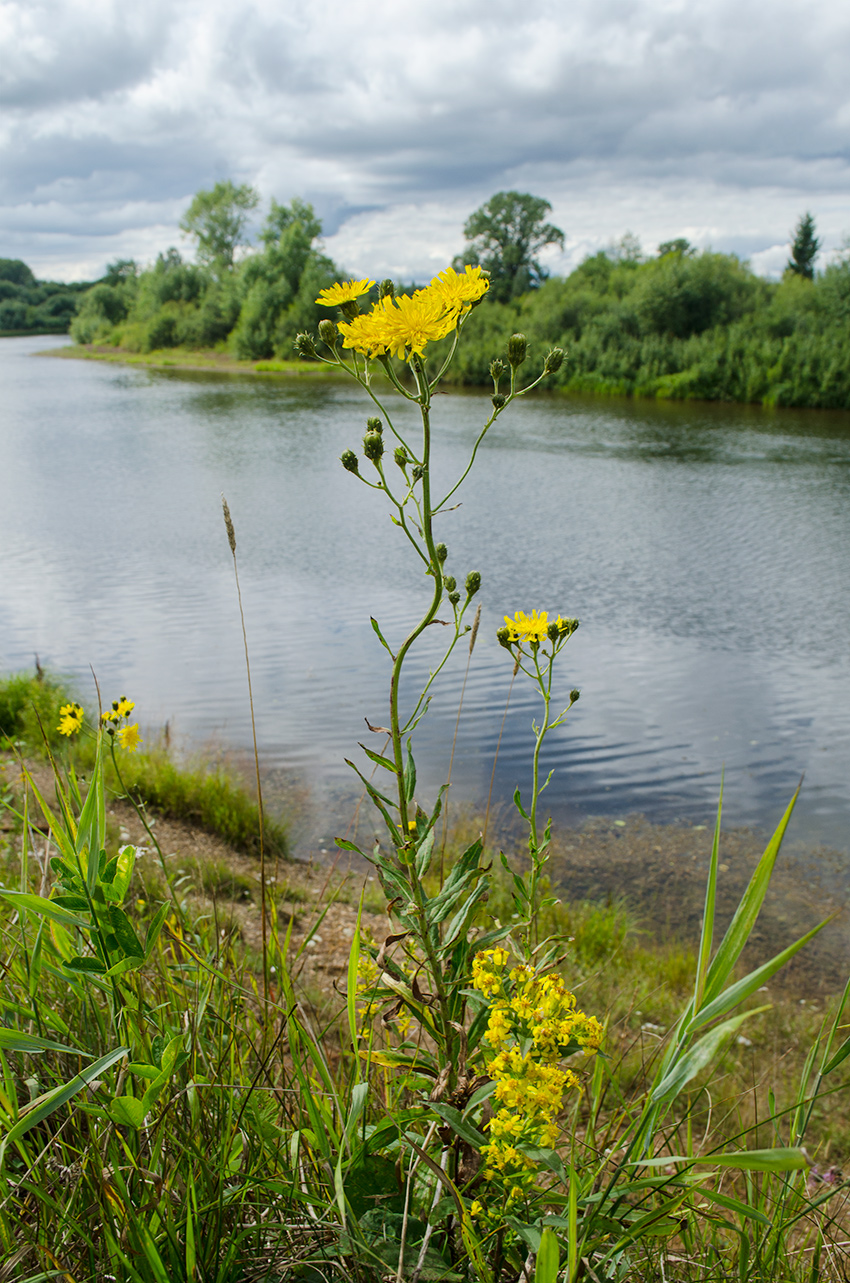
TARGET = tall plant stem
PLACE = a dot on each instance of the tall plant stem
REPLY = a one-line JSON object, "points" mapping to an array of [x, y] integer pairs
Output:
{"points": [[454, 740], [231, 539]]}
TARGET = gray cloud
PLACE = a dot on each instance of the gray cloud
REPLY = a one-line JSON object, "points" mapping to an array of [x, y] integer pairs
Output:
{"points": [[658, 115]]}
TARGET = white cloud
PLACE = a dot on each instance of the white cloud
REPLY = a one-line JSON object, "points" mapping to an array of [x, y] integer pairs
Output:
{"points": [[717, 120]]}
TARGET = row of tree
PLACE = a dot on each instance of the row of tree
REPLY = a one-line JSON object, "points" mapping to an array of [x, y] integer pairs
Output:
{"points": [[30, 306]]}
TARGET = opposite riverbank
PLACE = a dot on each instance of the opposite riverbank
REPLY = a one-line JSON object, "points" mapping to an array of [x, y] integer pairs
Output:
{"points": [[205, 360]]}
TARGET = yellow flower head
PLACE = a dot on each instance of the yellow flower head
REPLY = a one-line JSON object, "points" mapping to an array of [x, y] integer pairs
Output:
{"points": [[531, 627], [344, 292], [129, 737], [460, 290], [366, 334], [70, 719]]}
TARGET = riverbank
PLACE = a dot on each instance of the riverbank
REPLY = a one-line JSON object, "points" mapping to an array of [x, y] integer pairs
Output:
{"points": [[203, 360]]}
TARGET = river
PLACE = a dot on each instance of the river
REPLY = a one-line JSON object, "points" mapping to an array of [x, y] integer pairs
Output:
{"points": [[705, 549]]}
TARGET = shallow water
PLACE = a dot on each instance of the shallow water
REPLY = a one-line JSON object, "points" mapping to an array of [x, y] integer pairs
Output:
{"points": [[703, 547]]}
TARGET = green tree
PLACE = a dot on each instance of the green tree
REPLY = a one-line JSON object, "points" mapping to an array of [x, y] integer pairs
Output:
{"points": [[504, 236], [217, 220], [804, 249], [681, 247]]}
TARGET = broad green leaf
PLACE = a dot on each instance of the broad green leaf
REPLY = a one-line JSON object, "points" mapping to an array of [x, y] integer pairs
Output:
{"points": [[548, 1257], [49, 909], [43, 1106], [124, 871], [91, 826], [459, 1124], [124, 933], [11, 1040], [155, 927], [423, 854], [700, 1055], [87, 965], [738, 931], [128, 1111]]}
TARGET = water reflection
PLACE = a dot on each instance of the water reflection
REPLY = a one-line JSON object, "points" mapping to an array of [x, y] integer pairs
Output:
{"points": [[703, 548]]}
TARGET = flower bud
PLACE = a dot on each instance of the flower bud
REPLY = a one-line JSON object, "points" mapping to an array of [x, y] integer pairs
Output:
{"points": [[350, 309], [473, 582], [497, 369], [567, 626], [386, 289], [373, 446], [348, 459], [418, 472], [442, 552], [401, 456], [503, 637], [574, 696], [554, 360], [454, 598], [328, 333], [517, 349], [304, 345], [553, 632], [498, 400], [449, 582], [374, 424]]}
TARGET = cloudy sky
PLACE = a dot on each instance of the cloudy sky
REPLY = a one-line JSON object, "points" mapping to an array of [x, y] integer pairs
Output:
{"points": [[719, 120]]}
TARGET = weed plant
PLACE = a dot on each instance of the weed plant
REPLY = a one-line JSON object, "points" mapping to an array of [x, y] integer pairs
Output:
{"points": [[171, 1112]]}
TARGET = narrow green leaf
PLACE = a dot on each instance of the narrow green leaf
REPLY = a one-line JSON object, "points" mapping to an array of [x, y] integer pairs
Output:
{"points": [[155, 928], [738, 931], [733, 1205], [353, 967], [737, 992], [387, 764], [839, 1057], [700, 1055], [519, 806], [760, 1160], [380, 637], [12, 1040], [707, 933], [409, 773], [38, 904], [43, 1106], [424, 852], [86, 965]]}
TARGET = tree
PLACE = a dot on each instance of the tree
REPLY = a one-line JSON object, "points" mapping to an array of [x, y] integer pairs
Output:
{"points": [[804, 249], [681, 247], [504, 236], [217, 219]]}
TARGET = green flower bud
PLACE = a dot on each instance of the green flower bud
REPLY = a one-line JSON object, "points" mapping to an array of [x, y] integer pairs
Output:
{"points": [[328, 333], [503, 637], [473, 583], [386, 289], [418, 472], [450, 583], [401, 457], [498, 400], [574, 696], [517, 349], [567, 626], [304, 345], [348, 459], [553, 632], [554, 360], [442, 552], [497, 369], [373, 446], [454, 598], [350, 309], [374, 424]]}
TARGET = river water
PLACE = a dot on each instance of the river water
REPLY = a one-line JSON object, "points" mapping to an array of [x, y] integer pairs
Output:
{"points": [[705, 549]]}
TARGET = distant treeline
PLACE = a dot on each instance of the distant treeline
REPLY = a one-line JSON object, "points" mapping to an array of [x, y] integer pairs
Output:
{"points": [[28, 306], [677, 324], [680, 325]]}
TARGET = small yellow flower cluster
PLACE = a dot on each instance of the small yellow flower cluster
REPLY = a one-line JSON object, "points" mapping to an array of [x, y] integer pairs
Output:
{"points": [[70, 719], [533, 1023], [402, 326], [533, 627], [129, 737]]}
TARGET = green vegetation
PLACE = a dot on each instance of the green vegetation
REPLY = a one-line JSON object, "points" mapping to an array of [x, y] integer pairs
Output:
{"points": [[680, 325], [28, 306], [251, 306], [504, 236], [210, 797]]}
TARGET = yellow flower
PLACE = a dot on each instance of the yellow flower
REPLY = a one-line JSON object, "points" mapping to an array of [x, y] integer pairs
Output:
{"points": [[70, 719], [129, 737], [528, 627], [124, 707], [459, 291], [345, 292], [366, 334], [413, 321]]}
